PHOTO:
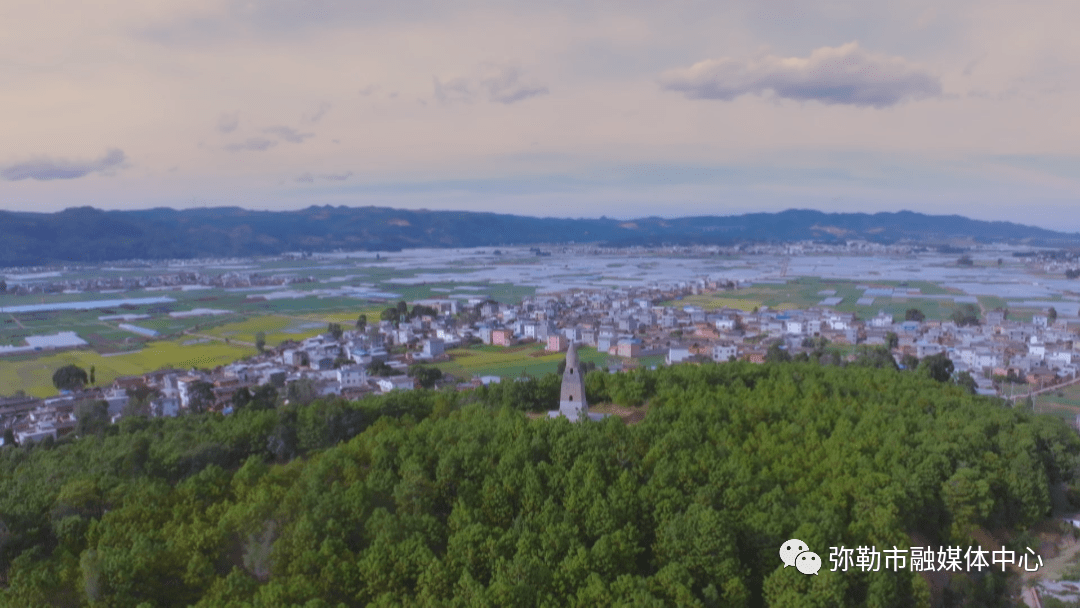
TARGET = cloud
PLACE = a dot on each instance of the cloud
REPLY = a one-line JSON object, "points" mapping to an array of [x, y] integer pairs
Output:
{"points": [[495, 83], [45, 169], [288, 134], [308, 178], [974, 63], [833, 75], [319, 112], [228, 122], [457, 89], [255, 144], [503, 86]]}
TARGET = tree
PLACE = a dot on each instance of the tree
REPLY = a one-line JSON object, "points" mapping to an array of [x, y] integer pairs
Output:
{"points": [[380, 368], [426, 376], [1051, 315], [914, 314], [3, 286], [260, 341], [421, 310], [93, 380], [892, 340], [264, 398], [965, 380], [139, 399], [91, 417], [301, 392], [1072, 273], [777, 353], [402, 308], [70, 377], [390, 314], [9, 437], [874, 356], [334, 329], [909, 361], [361, 322], [965, 260], [200, 396], [240, 398], [966, 314], [938, 367]]}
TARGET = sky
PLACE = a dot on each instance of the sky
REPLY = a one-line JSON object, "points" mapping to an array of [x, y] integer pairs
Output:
{"points": [[563, 109]]}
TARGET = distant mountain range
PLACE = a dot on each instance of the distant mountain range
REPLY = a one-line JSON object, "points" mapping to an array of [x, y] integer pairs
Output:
{"points": [[86, 234]]}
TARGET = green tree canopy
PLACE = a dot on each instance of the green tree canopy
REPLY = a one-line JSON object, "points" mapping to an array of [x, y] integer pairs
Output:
{"points": [[335, 330], [776, 353], [69, 377], [914, 314], [459, 498], [939, 367], [966, 314]]}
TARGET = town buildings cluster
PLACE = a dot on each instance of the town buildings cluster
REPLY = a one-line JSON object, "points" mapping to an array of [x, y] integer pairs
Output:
{"points": [[625, 323]]}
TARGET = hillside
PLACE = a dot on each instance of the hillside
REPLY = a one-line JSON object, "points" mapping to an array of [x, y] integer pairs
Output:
{"points": [[85, 234], [455, 499]]}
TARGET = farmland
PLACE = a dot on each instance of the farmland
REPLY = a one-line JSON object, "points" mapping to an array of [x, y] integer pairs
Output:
{"points": [[1063, 403], [511, 361], [33, 374]]}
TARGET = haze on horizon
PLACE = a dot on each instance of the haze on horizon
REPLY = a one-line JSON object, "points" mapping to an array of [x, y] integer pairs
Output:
{"points": [[574, 110]]}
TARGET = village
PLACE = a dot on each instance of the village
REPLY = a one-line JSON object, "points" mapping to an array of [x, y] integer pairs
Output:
{"points": [[1004, 357]]}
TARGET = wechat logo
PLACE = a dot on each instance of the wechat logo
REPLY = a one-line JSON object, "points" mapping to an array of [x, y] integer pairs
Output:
{"points": [[795, 553]]}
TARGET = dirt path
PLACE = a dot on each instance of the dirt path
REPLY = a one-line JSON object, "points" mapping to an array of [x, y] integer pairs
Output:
{"points": [[16, 319]]}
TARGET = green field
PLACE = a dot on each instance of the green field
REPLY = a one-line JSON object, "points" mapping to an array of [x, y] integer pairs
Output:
{"points": [[1063, 403], [802, 293], [510, 361]]}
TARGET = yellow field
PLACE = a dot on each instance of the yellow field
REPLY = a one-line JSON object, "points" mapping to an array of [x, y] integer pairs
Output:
{"points": [[279, 328], [347, 319], [709, 302], [276, 327], [35, 376]]}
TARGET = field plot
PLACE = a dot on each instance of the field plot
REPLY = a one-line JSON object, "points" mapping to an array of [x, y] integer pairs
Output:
{"points": [[509, 362], [34, 375], [805, 292], [277, 329], [1063, 403]]}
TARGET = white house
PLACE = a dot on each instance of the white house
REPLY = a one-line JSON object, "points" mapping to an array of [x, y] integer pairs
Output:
{"points": [[725, 324], [677, 354], [351, 376], [725, 352], [433, 348], [881, 320], [1059, 357], [396, 383]]}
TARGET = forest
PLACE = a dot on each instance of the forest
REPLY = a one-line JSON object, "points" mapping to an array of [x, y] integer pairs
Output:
{"points": [[441, 498]]}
